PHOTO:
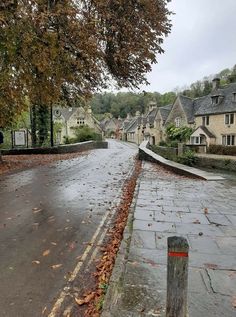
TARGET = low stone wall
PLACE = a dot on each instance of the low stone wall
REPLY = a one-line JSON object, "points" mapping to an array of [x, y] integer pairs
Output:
{"points": [[61, 149], [167, 152], [146, 154], [224, 164]]}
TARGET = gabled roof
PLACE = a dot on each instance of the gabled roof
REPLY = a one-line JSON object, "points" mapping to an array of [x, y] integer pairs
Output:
{"points": [[188, 107], [68, 112], [151, 115], [206, 131], [134, 124], [226, 104], [164, 111]]}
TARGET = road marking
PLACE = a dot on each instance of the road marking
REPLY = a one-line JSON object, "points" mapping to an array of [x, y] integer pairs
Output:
{"points": [[63, 295]]}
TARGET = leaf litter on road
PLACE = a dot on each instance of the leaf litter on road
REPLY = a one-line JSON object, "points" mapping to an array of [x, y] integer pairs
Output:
{"points": [[106, 262]]}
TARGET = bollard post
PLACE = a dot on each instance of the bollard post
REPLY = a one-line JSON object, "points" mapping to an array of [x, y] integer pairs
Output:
{"points": [[177, 277]]}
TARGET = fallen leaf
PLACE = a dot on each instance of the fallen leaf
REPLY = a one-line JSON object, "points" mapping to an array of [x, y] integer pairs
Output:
{"points": [[56, 266], [35, 262], [86, 299], [45, 253], [44, 310], [234, 301], [205, 210], [36, 210], [211, 266]]}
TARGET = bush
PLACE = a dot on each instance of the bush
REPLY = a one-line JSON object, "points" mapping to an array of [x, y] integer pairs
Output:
{"points": [[162, 143], [85, 133], [222, 150], [188, 158]]}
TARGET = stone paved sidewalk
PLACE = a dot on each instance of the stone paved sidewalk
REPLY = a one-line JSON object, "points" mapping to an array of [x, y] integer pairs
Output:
{"points": [[203, 212]]}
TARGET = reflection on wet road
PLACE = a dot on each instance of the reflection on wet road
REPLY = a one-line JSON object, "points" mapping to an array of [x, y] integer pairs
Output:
{"points": [[47, 215]]}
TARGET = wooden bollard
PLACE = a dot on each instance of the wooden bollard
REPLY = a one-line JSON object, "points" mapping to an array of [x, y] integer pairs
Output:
{"points": [[177, 277]]}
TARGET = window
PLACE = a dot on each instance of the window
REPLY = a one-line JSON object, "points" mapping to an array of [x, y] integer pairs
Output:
{"points": [[229, 118], [205, 121], [234, 96], [80, 121], [198, 140], [177, 122], [215, 100], [228, 139]]}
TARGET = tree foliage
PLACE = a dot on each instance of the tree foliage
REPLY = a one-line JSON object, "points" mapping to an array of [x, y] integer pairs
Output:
{"points": [[180, 134], [53, 50], [122, 103]]}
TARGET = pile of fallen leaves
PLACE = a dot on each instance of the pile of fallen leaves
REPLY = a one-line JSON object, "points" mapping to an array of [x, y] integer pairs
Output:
{"points": [[17, 162], [94, 299]]}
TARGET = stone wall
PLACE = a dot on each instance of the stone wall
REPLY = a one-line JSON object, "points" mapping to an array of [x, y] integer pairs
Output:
{"points": [[68, 148], [167, 152]]}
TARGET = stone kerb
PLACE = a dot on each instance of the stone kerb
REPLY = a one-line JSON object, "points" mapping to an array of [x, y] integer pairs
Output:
{"points": [[148, 155]]}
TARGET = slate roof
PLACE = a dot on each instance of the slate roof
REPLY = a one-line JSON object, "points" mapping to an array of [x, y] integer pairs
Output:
{"points": [[206, 131], [188, 106], [165, 110], [68, 112], [151, 115], [226, 105], [133, 125]]}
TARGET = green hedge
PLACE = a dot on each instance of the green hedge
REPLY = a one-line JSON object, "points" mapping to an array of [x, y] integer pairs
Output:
{"points": [[222, 150]]}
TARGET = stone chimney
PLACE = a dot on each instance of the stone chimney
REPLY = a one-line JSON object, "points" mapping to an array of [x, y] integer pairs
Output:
{"points": [[215, 83], [151, 105]]}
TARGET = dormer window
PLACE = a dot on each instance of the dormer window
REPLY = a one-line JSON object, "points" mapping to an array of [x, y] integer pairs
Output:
{"points": [[215, 100], [234, 96]]}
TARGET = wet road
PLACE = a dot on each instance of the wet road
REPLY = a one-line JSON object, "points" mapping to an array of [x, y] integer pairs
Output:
{"points": [[48, 216]]}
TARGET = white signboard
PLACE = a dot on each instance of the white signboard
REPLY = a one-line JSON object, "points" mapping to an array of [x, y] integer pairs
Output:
{"points": [[19, 138]]}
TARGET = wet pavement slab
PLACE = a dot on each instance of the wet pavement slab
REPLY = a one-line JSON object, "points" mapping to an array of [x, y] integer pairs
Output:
{"points": [[204, 213]]}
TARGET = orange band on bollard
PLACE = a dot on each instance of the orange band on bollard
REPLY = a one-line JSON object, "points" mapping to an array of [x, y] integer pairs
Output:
{"points": [[178, 254]]}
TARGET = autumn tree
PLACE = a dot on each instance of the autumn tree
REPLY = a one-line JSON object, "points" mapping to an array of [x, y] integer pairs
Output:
{"points": [[54, 50]]}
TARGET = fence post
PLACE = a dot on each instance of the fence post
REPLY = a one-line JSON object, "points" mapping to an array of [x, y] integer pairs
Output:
{"points": [[177, 277]]}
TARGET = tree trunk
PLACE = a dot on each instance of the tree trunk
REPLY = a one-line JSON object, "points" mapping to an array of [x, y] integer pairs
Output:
{"points": [[43, 124], [33, 126]]}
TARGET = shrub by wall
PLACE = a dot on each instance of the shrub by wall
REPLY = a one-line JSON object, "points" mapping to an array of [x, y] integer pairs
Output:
{"points": [[222, 150]]}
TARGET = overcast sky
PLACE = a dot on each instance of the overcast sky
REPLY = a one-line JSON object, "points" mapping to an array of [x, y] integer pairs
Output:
{"points": [[202, 42]]}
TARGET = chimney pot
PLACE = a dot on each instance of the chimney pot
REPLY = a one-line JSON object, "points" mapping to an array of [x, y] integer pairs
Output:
{"points": [[215, 83]]}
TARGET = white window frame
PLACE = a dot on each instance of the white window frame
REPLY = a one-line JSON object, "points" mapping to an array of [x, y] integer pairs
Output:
{"points": [[177, 122], [80, 121], [215, 100], [228, 140], [205, 121], [229, 118]]}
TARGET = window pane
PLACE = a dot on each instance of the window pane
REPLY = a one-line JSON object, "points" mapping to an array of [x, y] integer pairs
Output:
{"points": [[231, 118], [226, 119], [233, 140], [223, 140], [207, 120]]}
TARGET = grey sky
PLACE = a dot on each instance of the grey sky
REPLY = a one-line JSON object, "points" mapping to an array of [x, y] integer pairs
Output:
{"points": [[202, 42]]}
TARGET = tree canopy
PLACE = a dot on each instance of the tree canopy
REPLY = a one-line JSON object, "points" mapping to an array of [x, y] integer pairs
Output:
{"points": [[54, 50]]}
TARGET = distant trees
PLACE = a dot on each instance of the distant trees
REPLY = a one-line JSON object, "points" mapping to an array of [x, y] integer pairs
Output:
{"points": [[122, 103]]}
